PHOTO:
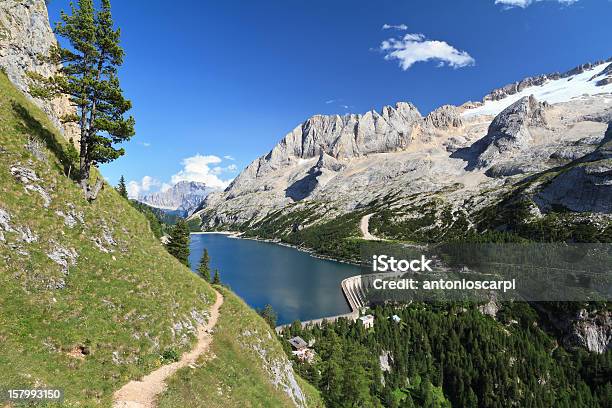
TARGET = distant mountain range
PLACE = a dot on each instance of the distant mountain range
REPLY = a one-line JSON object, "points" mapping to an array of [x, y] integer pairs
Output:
{"points": [[182, 198]]}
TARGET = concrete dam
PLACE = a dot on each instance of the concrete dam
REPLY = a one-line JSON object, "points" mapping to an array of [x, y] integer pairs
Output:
{"points": [[355, 289]]}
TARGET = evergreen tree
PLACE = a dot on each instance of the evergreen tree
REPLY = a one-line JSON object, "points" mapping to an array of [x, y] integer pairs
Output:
{"points": [[216, 279], [269, 315], [178, 244], [88, 76], [121, 188], [71, 158], [204, 267]]}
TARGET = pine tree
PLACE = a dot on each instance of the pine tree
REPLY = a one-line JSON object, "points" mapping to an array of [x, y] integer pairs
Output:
{"points": [[88, 76], [121, 188], [71, 158], [204, 267], [178, 245], [216, 279], [269, 315]]}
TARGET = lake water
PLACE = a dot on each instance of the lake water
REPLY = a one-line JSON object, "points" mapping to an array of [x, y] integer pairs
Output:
{"points": [[297, 285]]}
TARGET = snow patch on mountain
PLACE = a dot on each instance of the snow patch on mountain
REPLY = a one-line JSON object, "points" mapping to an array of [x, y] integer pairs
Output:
{"points": [[551, 91]]}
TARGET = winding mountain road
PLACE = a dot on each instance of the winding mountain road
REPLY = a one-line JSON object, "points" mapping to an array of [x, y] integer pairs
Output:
{"points": [[143, 394], [365, 228]]}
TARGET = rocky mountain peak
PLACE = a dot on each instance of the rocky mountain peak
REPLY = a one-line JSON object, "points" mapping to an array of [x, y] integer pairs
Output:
{"points": [[350, 135], [184, 196], [604, 77], [512, 129], [445, 117]]}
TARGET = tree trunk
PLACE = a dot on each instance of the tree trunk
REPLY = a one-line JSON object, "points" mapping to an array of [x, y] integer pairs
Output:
{"points": [[83, 165], [91, 193]]}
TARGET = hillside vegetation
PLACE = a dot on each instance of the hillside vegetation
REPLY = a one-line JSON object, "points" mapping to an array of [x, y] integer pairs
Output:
{"points": [[89, 298]]}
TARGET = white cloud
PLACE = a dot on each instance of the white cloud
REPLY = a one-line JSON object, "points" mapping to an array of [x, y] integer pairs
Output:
{"points": [[148, 182], [526, 3], [330, 101], [136, 188], [228, 157], [133, 189], [401, 27], [218, 170], [413, 48], [197, 168]]}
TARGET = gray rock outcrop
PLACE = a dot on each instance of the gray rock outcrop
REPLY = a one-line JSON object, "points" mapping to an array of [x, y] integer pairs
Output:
{"points": [[593, 332], [586, 186], [25, 34], [341, 137], [512, 129], [446, 116]]}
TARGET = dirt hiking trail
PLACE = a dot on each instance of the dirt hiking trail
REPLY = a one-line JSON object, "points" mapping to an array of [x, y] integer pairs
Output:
{"points": [[143, 394]]}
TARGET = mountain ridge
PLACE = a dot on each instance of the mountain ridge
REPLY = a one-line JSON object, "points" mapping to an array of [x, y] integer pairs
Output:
{"points": [[183, 197], [443, 142]]}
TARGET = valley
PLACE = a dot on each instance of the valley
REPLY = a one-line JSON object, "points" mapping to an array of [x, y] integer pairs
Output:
{"points": [[147, 261]]}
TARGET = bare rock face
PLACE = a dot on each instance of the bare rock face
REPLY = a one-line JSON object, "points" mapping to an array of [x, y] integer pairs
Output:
{"points": [[341, 137], [315, 178], [586, 186], [446, 116], [511, 129], [604, 77], [516, 87], [591, 332], [326, 162], [25, 34]]}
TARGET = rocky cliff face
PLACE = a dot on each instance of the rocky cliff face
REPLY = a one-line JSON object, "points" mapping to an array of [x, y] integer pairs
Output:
{"points": [[341, 137], [592, 331], [184, 196], [511, 130], [25, 34]]}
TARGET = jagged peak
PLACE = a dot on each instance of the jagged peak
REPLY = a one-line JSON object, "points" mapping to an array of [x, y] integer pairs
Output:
{"points": [[444, 117], [407, 109]]}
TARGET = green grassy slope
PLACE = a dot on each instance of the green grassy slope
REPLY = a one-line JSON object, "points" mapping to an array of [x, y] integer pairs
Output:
{"points": [[119, 306], [109, 304], [244, 354]]}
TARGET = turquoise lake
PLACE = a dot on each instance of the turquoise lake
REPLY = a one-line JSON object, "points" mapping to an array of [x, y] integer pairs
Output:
{"points": [[297, 285]]}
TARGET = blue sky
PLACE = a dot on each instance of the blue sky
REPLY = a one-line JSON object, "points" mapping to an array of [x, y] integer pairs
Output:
{"points": [[216, 84]]}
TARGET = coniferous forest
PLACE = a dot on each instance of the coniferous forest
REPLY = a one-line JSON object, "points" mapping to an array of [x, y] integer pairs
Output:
{"points": [[452, 355]]}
